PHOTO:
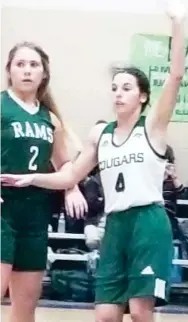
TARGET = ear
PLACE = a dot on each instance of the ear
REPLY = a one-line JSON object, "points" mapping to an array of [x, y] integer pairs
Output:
{"points": [[143, 98], [44, 75]]}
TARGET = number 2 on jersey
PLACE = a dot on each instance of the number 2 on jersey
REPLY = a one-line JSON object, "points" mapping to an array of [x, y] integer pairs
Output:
{"points": [[120, 183], [34, 150]]}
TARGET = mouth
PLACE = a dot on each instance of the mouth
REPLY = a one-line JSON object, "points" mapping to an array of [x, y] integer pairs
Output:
{"points": [[27, 80], [119, 103]]}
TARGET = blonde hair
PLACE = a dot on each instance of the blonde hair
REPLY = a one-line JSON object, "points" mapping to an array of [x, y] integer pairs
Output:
{"points": [[43, 94]]}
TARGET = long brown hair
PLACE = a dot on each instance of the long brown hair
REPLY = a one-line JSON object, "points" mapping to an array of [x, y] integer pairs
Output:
{"points": [[43, 94]]}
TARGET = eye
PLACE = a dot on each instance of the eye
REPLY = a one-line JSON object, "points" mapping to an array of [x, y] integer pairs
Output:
{"points": [[20, 64], [114, 88], [34, 64], [126, 88]]}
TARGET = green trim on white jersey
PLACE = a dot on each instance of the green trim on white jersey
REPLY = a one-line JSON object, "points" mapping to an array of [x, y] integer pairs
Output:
{"points": [[131, 173]]}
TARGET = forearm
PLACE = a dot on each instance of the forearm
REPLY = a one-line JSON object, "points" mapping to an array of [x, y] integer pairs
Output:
{"points": [[55, 181], [69, 174], [67, 177], [161, 112], [178, 48]]}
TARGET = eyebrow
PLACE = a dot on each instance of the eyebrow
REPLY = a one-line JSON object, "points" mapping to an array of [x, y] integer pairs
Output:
{"points": [[23, 60], [125, 84]]}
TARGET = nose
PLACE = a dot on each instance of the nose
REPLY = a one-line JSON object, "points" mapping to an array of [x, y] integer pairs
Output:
{"points": [[118, 93], [27, 69]]}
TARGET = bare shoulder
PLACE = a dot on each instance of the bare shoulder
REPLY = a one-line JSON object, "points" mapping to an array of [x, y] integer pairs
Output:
{"points": [[95, 133]]}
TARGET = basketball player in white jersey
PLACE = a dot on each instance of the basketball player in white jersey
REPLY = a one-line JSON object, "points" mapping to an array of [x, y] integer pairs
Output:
{"points": [[136, 252]]}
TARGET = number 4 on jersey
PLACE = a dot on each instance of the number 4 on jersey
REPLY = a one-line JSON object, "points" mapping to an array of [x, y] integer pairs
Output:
{"points": [[120, 183]]}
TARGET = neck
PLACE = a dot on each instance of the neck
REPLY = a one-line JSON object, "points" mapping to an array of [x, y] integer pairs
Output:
{"points": [[128, 120], [27, 97]]}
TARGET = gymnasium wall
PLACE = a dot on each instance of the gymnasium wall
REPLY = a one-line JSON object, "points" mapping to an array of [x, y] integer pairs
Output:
{"points": [[82, 47]]}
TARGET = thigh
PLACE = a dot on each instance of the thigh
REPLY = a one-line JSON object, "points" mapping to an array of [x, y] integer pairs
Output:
{"points": [[111, 277], [6, 270], [31, 252], [25, 287], [150, 255]]}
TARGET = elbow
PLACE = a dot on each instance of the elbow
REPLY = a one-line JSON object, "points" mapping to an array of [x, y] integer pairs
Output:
{"points": [[65, 179], [69, 183], [177, 75]]}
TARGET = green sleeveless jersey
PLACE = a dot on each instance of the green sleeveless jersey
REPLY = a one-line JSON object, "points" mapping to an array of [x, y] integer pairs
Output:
{"points": [[26, 143]]}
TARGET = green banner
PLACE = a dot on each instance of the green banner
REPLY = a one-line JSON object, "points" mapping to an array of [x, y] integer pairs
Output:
{"points": [[152, 54]]}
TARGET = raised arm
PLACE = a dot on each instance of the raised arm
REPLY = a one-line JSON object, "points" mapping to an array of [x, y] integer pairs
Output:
{"points": [[160, 113]]}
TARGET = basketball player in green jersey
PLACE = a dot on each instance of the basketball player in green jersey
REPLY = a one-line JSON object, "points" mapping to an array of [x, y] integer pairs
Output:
{"points": [[32, 136], [136, 252]]}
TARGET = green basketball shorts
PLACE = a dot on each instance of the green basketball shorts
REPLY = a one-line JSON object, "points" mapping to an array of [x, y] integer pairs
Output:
{"points": [[136, 256], [24, 234]]}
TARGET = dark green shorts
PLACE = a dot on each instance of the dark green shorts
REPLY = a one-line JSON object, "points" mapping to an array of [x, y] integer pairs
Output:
{"points": [[136, 256], [24, 236]]}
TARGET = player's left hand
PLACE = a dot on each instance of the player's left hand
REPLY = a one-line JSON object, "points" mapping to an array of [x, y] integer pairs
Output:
{"points": [[75, 203], [176, 9], [16, 180]]}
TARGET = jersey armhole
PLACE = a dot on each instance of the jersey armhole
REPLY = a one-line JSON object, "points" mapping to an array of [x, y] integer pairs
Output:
{"points": [[106, 129], [160, 156]]}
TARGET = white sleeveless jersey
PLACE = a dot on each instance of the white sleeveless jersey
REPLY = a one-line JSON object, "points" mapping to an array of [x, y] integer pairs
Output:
{"points": [[132, 174]]}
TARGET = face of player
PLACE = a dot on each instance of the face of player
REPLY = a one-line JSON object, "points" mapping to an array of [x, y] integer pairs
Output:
{"points": [[26, 71], [126, 94]]}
